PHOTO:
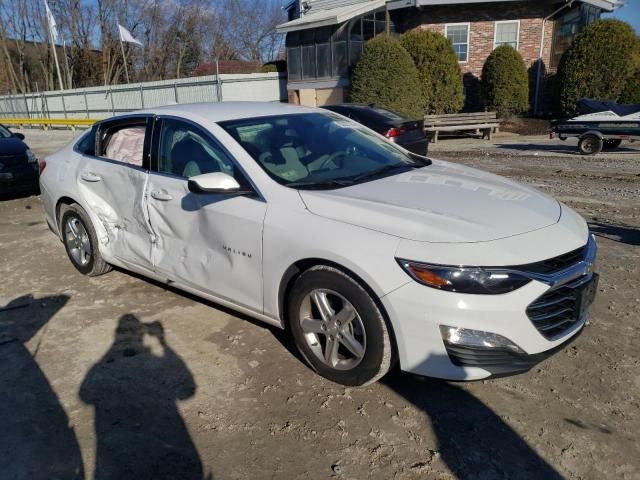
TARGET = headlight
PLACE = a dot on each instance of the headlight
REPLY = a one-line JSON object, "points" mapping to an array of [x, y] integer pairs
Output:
{"points": [[31, 158], [477, 280]]}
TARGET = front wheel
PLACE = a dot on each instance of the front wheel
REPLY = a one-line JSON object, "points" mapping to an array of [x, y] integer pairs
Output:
{"points": [[81, 242], [590, 145], [338, 327]]}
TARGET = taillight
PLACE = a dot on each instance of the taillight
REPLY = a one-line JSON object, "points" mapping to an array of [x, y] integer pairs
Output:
{"points": [[42, 164], [393, 132]]}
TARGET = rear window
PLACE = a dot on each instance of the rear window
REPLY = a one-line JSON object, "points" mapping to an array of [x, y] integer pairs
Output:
{"points": [[4, 132], [384, 114], [87, 143]]}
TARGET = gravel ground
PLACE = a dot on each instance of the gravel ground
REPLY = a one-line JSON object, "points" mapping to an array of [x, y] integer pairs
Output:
{"points": [[118, 377]]}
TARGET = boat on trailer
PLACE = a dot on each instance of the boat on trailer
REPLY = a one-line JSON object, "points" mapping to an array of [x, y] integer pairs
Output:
{"points": [[599, 125]]}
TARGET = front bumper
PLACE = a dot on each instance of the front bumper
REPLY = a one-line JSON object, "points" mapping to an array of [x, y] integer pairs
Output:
{"points": [[500, 362], [417, 312]]}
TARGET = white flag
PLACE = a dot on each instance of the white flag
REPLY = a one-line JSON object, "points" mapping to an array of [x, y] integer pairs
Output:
{"points": [[53, 30], [125, 36]]}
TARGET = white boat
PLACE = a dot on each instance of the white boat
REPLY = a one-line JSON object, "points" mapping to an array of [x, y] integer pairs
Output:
{"points": [[599, 125]]}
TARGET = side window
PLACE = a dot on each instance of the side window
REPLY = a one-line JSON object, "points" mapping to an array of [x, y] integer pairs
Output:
{"points": [[123, 143], [87, 143], [458, 35], [186, 151]]}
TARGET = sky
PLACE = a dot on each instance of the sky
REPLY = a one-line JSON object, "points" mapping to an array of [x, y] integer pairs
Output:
{"points": [[630, 13]]}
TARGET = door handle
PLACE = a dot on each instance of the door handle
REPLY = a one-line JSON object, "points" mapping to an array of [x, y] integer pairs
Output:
{"points": [[90, 177], [162, 195]]}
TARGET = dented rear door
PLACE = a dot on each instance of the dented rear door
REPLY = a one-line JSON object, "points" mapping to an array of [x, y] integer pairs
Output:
{"points": [[114, 190]]}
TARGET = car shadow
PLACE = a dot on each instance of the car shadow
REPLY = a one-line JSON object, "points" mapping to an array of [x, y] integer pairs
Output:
{"points": [[279, 334], [473, 441], [567, 148], [617, 232], [134, 389], [33, 192], [36, 439]]}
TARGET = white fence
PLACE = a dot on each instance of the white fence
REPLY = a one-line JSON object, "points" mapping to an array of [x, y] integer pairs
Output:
{"points": [[101, 102]]}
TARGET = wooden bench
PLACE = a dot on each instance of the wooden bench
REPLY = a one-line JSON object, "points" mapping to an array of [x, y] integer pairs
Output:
{"points": [[485, 122], [49, 122]]}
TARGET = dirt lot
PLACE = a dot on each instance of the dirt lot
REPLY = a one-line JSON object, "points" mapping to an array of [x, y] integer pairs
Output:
{"points": [[120, 376]]}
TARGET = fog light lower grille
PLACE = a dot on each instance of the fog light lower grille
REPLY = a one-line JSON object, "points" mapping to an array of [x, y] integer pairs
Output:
{"points": [[477, 339]]}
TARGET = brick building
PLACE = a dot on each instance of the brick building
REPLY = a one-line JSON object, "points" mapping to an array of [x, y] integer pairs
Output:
{"points": [[325, 38]]}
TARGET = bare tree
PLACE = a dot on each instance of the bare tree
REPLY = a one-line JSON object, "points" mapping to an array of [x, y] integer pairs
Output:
{"points": [[250, 26], [177, 35]]}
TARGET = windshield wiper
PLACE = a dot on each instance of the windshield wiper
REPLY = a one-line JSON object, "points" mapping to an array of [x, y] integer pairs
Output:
{"points": [[320, 184], [379, 171]]}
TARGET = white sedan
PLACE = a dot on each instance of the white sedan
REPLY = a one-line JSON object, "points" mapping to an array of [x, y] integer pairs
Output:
{"points": [[368, 254]]}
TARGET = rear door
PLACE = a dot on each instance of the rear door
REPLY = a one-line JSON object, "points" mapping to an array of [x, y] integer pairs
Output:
{"points": [[211, 242], [112, 179]]}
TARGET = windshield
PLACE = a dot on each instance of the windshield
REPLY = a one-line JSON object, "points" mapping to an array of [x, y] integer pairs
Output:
{"points": [[4, 132], [318, 149]]}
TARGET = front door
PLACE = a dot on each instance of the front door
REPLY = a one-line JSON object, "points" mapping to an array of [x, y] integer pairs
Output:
{"points": [[211, 242], [112, 178]]}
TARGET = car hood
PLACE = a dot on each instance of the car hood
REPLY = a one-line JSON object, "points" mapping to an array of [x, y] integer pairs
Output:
{"points": [[12, 146], [442, 202]]}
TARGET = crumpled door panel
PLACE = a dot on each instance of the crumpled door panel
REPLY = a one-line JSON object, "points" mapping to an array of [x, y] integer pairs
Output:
{"points": [[211, 242], [115, 194]]}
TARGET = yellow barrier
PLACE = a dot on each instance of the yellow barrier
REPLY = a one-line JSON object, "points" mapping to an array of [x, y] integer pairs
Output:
{"points": [[48, 122]]}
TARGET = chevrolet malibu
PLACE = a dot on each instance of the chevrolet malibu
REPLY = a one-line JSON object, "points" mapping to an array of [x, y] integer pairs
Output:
{"points": [[368, 254]]}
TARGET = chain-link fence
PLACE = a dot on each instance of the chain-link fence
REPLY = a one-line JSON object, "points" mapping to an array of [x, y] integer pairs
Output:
{"points": [[101, 102]]}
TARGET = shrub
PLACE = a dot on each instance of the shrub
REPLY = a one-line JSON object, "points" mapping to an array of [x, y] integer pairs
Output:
{"points": [[631, 90], [438, 70], [597, 64], [275, 66], [505, 82], [386, 76]]}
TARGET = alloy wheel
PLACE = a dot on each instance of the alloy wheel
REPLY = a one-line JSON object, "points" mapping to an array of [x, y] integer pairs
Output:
{"points": [[78, 241], [332, 329]]}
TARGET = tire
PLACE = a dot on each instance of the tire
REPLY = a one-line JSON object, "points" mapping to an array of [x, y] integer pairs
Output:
{"points": [[611, 143], [81, 242], [590, 145], [353, 320]]}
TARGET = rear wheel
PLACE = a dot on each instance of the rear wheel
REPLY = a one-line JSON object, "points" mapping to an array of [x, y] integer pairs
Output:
{"points": [[590, 145], [338, 327], [611, 143], [81, 242]]}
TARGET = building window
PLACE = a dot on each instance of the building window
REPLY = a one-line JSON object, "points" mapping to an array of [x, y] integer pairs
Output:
{"points": [[458, 35], [329, 52], [507, 34]]}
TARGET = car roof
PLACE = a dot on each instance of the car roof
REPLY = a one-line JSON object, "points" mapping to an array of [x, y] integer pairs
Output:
{"points": [[222, 111]]}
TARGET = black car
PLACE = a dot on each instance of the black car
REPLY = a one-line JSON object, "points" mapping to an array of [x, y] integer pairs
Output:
{"points": [[18, 164], [406, 133]]}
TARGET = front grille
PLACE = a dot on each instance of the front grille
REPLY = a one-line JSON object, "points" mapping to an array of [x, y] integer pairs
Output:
{"points": [[555, 264], [558, 309], [493, 360]]}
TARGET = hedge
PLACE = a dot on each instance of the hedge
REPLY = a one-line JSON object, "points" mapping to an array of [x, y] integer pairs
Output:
{"points": [[505, 82], [386, 76], [597, 64], [631, 90], [438, 70]]}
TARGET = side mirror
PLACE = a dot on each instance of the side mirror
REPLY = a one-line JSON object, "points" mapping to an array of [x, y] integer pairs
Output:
{"points": [[216, 182], [19, 136]]}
